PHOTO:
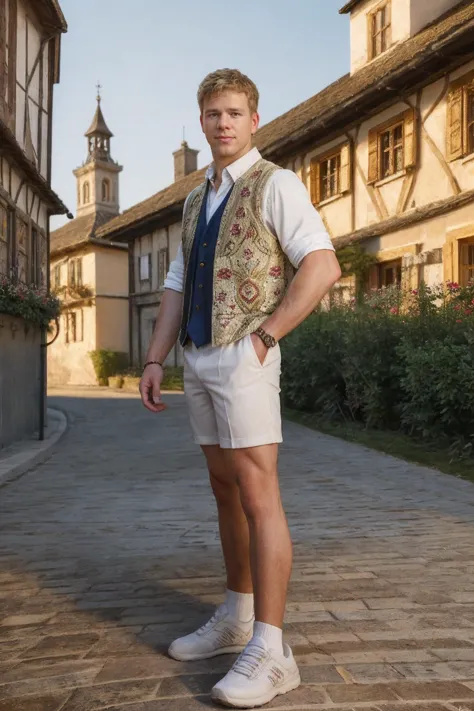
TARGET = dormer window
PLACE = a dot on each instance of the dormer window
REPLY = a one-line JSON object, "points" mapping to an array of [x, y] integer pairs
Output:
{"points": [[380, 29]]}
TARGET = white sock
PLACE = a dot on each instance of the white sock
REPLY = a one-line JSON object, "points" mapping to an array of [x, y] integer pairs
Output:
{"points": [[239, 605], [273, 636]]}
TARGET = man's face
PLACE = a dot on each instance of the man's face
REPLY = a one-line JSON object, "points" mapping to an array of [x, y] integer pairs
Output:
{"points": [[228, 125]]}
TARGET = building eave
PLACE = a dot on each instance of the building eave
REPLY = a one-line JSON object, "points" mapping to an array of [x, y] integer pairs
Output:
{"points": [[427, 67], [400, 222], [10, 148], [348, 7], [51, 14], [83, 244]]}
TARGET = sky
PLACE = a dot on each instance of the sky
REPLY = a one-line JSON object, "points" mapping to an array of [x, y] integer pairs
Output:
{"points": [[150, 56]]}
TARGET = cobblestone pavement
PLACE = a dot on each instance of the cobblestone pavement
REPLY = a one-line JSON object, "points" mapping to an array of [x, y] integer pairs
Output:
{"points": [[110, 550]]}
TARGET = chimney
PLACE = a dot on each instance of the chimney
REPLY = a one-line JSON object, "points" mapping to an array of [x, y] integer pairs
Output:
{"points": [[185, 161]]}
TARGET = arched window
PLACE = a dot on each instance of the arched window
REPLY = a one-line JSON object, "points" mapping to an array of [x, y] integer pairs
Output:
{"points": [[105, 190], [86, 195]]}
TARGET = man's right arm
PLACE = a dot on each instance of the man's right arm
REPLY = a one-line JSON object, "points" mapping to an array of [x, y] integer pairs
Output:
{"points": [[165, 334]]}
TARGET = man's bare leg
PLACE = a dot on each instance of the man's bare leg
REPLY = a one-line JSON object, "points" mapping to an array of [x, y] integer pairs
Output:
{"points": [[270, 542], [233, 525]]}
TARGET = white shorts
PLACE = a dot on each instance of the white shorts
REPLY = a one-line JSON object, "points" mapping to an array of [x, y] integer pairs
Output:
{"points": [[233, 399]]}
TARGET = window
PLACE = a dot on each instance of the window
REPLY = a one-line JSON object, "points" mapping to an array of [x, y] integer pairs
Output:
{"points": [[75, 273], [460, 118], [86, 195], [145, 267], [5, 240], [106, 190], [331, 174], [162, 266], [393, 147], [380, 30], [391, 151], [466, 267], [390, 273], [22, 239], [71, 327], [35, 275], [57, 276]]}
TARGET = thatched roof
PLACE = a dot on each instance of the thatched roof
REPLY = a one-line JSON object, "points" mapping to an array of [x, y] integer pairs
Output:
{"points": [[418, 61]]}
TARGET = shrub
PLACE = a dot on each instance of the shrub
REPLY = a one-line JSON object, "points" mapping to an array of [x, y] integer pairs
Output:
{"points": [[107, 363], [394, 359]]}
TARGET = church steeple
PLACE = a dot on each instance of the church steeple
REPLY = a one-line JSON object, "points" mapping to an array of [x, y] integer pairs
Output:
{"points": [[97, 178], [98, 135]]}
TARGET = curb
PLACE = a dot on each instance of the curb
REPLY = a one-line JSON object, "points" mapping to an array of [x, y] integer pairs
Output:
{"points": [[30, 453]]}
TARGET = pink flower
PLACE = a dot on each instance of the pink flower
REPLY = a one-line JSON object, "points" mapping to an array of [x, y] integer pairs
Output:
{"points": [[394, 310], [256, 173], [240, 213], [221, 296], [414, 292], [224, 273], [251, 233], [459, 320], [236, 229], [248, 253], [275, 271], [245, 192]]}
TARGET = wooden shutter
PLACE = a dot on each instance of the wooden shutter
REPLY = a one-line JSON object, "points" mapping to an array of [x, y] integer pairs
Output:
{"points": [[315, 181], [346, 169], [455, 143], [79, 272], [373, 156], [373, 277], [410, 139], [71, 279]]}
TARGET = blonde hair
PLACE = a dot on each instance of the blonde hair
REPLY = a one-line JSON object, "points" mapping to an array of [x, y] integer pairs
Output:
{"points": [[228, 80]]}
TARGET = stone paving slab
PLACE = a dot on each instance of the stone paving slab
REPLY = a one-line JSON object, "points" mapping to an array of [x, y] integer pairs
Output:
{"points": [[110, 549]]}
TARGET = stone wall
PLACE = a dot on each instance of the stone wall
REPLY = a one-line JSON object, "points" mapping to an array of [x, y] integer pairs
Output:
{"points": [[19, 379]]}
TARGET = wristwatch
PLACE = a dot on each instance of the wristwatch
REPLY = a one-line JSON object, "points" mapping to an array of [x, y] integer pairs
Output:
{"points": [[269, 341]]}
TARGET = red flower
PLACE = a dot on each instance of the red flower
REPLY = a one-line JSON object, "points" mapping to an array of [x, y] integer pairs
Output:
{"points": [[224, 273], [236, 229], [459, 320], [248, 253], [256, 173], [240, 213], [251, 233], [221, 296], [394, 310], [245, 192], [275, 271]]}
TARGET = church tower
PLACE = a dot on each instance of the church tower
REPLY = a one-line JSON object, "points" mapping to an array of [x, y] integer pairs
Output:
{"points": [[98, 177]]}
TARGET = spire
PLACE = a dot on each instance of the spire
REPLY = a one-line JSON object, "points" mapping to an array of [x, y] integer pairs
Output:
{"points": [[98, 134]]}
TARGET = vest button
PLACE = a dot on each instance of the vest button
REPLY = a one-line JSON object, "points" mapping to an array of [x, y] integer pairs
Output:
{"points": [[200, 286], [205, 244], [197, 307], [201, 264]]}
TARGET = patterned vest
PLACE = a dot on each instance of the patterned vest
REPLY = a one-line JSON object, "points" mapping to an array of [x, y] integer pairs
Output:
{"points": [[251, 272]]}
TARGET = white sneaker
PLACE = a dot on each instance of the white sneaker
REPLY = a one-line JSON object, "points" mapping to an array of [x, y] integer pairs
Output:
{"points": [[221, 635], [257, 676]]}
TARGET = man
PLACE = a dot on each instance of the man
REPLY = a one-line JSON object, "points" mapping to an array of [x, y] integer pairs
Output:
{"points": [[229, 298]]}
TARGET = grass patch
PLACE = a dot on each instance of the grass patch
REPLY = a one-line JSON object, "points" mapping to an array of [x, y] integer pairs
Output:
{"points": [[395, 443]]}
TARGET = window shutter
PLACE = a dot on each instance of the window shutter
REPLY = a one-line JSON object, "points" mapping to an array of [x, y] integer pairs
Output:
{"points": [[72, 281], [79, 272], [315, 182], [373, 156], [410, 139], [373, 277], [149, 266], [455, 147], [346, 171]]}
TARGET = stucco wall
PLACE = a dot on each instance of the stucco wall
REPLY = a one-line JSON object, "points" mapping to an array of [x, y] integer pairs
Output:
{"points": [[19, 379]]}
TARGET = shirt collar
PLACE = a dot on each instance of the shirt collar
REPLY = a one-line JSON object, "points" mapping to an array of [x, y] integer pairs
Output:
{"points": [[235, 170]]}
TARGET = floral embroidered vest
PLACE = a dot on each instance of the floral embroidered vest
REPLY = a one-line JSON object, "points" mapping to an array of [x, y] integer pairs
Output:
{"points": [[251, 272]]}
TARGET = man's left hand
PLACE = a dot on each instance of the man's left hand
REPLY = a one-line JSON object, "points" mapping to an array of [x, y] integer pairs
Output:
{"points": [[260, 348]]}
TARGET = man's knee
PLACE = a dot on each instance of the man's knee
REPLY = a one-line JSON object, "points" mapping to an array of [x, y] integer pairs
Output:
{"points": [[223, 487]]}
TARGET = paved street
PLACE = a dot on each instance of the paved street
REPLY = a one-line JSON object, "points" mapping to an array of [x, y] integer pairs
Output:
{"points": [[109, 550]]}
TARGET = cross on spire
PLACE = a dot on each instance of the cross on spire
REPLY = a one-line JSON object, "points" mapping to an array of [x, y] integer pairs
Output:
{"points": [[98, 86]]}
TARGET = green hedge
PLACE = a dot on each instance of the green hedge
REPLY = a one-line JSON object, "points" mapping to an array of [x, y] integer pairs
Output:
{"points": [[398, 361], [108, 363]]}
